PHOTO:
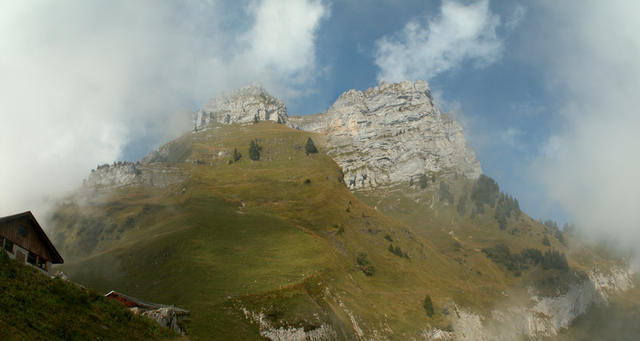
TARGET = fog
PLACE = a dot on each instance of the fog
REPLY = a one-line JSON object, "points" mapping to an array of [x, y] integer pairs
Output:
{"points": [[82, 79], [590, 53]]}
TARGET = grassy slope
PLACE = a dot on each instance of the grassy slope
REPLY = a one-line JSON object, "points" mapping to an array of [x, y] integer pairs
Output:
{"points": [[253, 234], [461, 237], [36, 307]]}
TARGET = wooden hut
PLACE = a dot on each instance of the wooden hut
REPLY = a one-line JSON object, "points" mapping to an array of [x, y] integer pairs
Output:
{"points": [[132, 302], [23, 238]]}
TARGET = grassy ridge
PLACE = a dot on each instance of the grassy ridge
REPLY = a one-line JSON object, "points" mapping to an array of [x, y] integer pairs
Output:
{"points": [[36, 307], [282, 236]]}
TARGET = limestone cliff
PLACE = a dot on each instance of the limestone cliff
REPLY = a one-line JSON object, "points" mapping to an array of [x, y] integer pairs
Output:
{"points": [[542, 316], [390, 134], [128, 173], [244, 105]]}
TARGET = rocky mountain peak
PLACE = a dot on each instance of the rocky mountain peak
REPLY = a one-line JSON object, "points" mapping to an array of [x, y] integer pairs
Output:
{"points": [[391, 133], [388, 134], [243, 105]]}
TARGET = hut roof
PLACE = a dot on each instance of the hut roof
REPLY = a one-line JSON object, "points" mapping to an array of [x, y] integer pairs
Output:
{"points": [[138, 303], [57, 259]]}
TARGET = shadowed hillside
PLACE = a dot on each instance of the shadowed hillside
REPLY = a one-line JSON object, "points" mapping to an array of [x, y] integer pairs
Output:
{"points": [[36, 307]]}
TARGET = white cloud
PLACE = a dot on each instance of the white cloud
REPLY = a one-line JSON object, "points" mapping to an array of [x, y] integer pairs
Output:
{"points": [[512, 138], [592, 165], [283, 35], [81, 79], [515, 18], [459, 33]]}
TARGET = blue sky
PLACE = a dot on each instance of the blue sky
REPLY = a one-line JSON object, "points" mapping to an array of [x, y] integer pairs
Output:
{"points": [[506, 105], [546, 90], [507, 101]]}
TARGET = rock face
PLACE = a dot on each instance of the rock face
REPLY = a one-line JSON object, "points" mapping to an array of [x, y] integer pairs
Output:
{"points": [[390, 134], [244, 105], [269, 332], [169, 317], [128, 173], [543, 317]]}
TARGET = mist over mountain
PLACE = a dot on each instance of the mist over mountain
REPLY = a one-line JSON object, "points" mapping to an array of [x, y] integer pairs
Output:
{"points": [[293, 227], [318, 169]]}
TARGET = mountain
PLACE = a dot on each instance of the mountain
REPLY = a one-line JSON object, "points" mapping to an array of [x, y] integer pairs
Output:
{"points": [[389, 231], [243, 105]]}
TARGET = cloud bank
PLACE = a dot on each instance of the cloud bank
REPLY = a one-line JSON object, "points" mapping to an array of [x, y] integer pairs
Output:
{"points": [[591, 164], [81, 79], [422, 51]]}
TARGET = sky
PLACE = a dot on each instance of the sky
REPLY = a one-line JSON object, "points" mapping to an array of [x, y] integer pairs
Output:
{"points": [[546, 91]]}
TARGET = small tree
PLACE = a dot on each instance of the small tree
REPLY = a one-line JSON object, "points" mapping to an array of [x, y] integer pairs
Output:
{"points": [[560, 237], [423, 181], [545, 241], [236, 156], [428, 306], [365, 265], [254, 150], [444, 194], [310, 147], [462, 205]]}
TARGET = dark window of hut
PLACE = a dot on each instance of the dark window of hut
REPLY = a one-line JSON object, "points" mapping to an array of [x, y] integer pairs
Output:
{"points": [[42, 263], [8, 245], [22, 230], [31, 259]]}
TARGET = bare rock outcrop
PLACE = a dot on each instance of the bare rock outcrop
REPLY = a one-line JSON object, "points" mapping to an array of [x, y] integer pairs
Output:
{"points": [[390, 134], [542, 317], [244, 105], [169, 317], [127, 173]]}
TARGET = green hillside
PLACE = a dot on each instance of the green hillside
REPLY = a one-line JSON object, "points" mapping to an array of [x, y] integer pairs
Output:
{"points": [[282, 236], [36, 307]]}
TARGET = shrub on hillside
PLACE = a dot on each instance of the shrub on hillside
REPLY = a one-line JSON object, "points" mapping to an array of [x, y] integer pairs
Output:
{"points": [[364, 264], [310, 147], [485, 191], [428, 306], [554, 260], [235, 157], [462, 205], [545, 241], [423, 181], [254, 150], [500, 254], [501, 218], [553, 227], [444, 194], [559, 236], [398, 251]]}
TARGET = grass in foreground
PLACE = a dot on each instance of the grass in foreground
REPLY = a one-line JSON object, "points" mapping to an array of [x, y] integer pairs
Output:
{"points": [[36, 307]]}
